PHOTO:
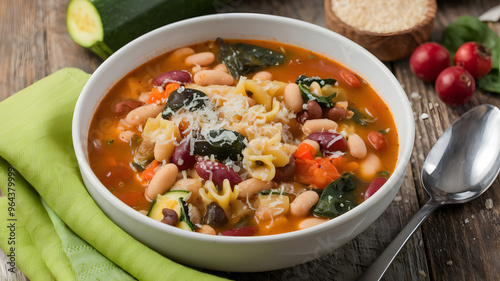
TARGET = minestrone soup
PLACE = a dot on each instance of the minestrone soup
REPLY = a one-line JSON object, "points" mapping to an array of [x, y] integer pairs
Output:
{"points": [[241, 138]]}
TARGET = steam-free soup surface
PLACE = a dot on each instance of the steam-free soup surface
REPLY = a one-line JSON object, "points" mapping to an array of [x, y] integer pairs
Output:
{"points": [[242, 137]]}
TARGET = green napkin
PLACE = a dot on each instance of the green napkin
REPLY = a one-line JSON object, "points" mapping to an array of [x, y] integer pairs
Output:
{"points": [[68, 237]]}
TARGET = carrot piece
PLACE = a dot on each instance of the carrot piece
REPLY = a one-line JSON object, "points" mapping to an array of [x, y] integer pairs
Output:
{"points": [[319, 172], [304, 151], [149, 172], [161, 97]]}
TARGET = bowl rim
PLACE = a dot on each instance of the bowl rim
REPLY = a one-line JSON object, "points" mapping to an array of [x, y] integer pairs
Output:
{"points": [[84, 165]]}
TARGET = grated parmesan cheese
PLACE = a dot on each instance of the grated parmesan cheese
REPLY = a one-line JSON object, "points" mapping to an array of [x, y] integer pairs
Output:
{"points": [[381, 16]]}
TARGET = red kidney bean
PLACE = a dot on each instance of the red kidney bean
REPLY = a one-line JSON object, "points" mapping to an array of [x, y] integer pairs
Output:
{"points": [[122, 108], [375, 185], [336, 113], [170, 217], [180, 76], [285, 173], [217, 172], [242, 231], [215, 215], [302, 117], [182, 156], [329, 142], [314, 110]]}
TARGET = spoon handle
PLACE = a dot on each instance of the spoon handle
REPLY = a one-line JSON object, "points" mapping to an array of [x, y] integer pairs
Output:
{"points": [[378, 268]]}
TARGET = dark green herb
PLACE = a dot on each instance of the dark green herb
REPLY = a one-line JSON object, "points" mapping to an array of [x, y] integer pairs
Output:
{"points": [[337, 197], [383, 174], [244, 221], [383, 132], [241, 58], [110, 141], [467, 28], [359, 118], [304, 82], [187, 98], [222, 144], [112, 189]]}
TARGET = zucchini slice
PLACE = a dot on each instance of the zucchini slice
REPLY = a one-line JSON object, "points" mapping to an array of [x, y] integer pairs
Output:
{"points": [[104, 26], [175, 200]]}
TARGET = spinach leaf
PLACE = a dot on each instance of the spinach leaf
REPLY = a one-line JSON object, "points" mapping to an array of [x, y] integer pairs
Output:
{"points": [[243, 58], [490, 82], [467, 28], [337, 197], [359, 118], [223, 144], [304, 82], [187, 98]]}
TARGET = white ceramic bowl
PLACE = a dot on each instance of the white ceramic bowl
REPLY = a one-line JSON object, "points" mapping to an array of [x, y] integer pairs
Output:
{"points": [[244, 254]]}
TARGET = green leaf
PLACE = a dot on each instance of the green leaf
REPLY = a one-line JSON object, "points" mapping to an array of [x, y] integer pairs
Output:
{"points": [[490, 82], [359, 118], [305, 82], [241, 58], [187, 98], [222, 144], [337, 197], [467, 28]]}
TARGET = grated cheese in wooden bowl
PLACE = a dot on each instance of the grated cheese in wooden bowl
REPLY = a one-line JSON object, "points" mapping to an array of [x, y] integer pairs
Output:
{"points": [[381, 16], [390, 29]]}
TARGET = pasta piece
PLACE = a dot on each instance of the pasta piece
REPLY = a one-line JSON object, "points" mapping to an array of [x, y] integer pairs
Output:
{"points": [[262, 156], [224, 199]]}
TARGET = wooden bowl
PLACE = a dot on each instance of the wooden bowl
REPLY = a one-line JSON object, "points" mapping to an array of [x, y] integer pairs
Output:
{"points": [[385, 46]]}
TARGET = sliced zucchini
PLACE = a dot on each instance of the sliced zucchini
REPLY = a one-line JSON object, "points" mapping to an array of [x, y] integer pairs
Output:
{"points": [[184, 221], [104, 26], [168, 200]]}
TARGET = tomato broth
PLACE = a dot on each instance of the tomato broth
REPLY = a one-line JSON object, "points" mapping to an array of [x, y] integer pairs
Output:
{"points": [[242, 137]]}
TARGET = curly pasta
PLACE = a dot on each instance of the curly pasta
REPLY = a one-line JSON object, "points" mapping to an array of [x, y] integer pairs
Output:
{"points": [[262, 155], [227, 195]]}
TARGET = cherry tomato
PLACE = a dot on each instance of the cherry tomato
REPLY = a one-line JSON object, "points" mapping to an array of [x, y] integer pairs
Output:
{"points": [[350, 78], [455, 86], [377, 140], [428, 60], [475, 58]]}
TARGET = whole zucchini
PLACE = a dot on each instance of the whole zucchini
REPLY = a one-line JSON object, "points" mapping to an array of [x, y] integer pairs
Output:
{"points": [[104, 26]]}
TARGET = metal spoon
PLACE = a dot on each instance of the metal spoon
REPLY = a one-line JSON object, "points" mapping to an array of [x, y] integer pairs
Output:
{"points": [[461, 165]]}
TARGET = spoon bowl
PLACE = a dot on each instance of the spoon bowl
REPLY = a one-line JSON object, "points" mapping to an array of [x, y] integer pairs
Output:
{"points": [[465, 160], [461, 165]]}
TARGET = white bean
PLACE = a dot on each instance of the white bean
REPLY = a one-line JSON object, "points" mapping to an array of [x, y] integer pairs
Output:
{"points": [[213, 77], [182, 52], [303, 203], [141, 114], [221, 67], [370, 166], [203, 59], [161, 182], [318, 125], [310, 222], [251, 102], [250, 187], [262, 76], [293, 97], [357, 146]]}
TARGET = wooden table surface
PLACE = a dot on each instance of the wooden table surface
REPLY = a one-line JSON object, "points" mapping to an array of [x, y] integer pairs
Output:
{"points": [[460, 242]]}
